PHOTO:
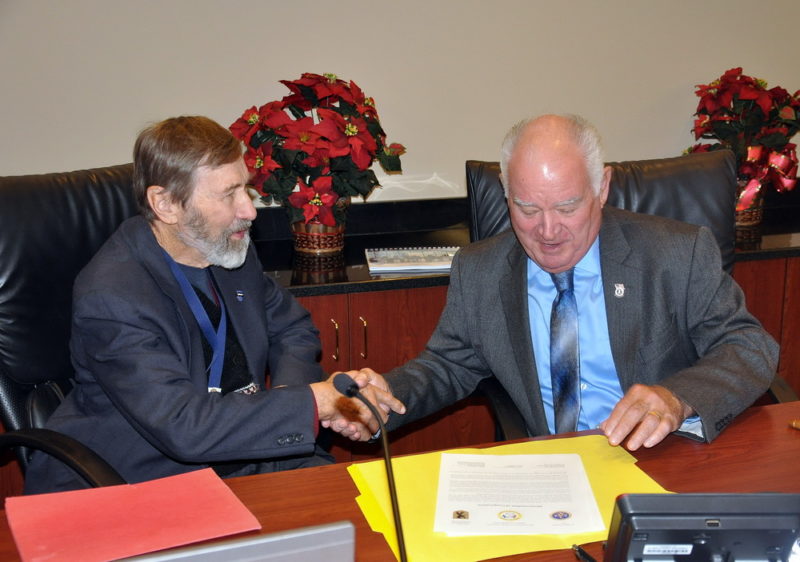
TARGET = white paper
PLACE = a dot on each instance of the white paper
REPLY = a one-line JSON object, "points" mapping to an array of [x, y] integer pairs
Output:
{"points": [[514, 494]]}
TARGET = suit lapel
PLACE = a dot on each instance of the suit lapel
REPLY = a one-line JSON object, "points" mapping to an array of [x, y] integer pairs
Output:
{"points": [[622, 289], [150, 255], [514, 296]]}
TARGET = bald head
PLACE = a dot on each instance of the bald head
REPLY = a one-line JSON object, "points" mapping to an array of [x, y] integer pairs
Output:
{"points": [[549, 136]]}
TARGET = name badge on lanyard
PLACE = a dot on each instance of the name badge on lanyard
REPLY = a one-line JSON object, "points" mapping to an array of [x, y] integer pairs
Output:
{"points": [[215, 338]]}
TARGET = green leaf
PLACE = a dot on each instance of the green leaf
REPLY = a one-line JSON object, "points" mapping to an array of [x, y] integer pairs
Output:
{"points": [[375, 129], [774, 140], [346, 109], [295, 214], [296, 112], [263, 135], [389, 162]]}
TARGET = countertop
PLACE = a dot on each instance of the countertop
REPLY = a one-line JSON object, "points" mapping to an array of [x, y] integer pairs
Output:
{"points": [[348, 272], [431, 223]]}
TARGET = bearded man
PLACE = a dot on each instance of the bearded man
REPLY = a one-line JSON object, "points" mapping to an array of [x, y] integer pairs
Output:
{"points": [[175, 326]]}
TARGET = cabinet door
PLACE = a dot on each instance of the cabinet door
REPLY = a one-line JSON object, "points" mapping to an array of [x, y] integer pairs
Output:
{"points": [[790, 355], [330, 316], [762, 282], [387, 328], [771, 288]]}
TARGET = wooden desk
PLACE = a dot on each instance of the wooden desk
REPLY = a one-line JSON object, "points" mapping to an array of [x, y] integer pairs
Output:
{"points": [[759, 452]]}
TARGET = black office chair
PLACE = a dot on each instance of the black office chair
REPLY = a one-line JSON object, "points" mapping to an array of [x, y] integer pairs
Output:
{"points": [[696, 188], [50, 226]]}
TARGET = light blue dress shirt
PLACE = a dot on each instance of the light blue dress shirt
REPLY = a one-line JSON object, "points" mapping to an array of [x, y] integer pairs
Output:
{"points": [[599, 385]]}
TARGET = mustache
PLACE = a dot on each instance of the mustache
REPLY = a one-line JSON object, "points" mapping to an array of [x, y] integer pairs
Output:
{"points": [[239, 225]]}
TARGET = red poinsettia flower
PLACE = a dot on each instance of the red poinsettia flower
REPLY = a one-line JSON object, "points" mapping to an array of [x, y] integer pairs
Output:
{"points": [[363, 104], [320, 158], [348, 136], [260, 164], [273, 115], [316, 200], [244, 127], [762, 98], [297, 97], [301, 135], [395, 149], [742, 114], [325, 87], [293, 142], [341, 89], [702, 125]]}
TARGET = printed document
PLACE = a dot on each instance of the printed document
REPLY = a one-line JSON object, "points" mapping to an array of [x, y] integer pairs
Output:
{"points": [[515, 494]]}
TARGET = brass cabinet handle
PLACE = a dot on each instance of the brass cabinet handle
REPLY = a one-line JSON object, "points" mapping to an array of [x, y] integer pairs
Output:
{"points": [[335, 355], [364, 322]]}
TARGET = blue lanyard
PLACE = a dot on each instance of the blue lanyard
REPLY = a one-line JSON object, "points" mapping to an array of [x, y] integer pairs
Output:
{"points": [[215, 338]]}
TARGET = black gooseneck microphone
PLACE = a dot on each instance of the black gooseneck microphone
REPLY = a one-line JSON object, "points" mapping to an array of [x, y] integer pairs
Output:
{"points": [[349, 388]]}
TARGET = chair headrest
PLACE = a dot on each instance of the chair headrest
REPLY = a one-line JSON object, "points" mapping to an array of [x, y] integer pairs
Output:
{"points": [[50, 227], [696, 188]]}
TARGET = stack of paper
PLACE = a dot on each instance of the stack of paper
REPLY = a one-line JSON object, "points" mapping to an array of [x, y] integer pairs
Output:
{"points": [[399, 260], [611, 471], [514, 495], [120, 521]]}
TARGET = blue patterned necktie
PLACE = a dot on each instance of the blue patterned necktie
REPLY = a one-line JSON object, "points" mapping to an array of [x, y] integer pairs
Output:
{"points": [[564, 364]]}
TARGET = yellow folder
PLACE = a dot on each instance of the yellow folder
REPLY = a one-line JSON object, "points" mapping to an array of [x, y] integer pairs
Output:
{"points": [[611, 471]]}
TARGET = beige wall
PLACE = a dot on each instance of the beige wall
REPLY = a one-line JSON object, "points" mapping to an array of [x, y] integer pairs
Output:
{"points": [[81, 77]]}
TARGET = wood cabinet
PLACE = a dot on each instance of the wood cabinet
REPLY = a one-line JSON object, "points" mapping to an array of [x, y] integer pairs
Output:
{"points": [[378, 329], [11, 480], [382, 330], [772, 291]]}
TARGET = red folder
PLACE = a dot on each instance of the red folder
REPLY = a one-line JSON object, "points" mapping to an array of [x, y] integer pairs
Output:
{"points": [[120, 521]]}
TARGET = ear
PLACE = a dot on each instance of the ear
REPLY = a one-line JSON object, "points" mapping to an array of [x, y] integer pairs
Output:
{"points": [[503, 184], [604, 185], [162, 204]]}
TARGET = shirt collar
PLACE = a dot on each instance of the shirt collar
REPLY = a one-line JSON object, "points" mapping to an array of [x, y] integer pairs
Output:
{"points": [[588, 266]]}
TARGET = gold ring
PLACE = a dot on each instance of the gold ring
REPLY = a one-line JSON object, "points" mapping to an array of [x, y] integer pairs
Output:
{"points": [[654, 413]]}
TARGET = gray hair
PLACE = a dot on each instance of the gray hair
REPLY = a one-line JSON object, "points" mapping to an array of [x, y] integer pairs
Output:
{"points": [[583, 134], [168, 154]]}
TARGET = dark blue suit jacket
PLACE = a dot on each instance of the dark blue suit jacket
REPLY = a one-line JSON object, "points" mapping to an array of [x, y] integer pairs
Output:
{"points": [[141, 398]]}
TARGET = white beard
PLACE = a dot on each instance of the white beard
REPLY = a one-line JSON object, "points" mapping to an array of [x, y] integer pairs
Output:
{"points": [[222, 250]]}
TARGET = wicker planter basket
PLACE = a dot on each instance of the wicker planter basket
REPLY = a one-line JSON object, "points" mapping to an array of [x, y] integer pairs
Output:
{"points": [[751, 216], [317, 238]]}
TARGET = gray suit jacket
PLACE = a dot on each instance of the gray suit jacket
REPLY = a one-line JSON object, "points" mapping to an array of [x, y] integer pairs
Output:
{"points": [[141, 398], [682, 323]]}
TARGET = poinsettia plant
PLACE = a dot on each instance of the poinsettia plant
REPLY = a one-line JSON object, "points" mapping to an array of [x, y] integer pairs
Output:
{"points": [[315, 147], [756, 122]]}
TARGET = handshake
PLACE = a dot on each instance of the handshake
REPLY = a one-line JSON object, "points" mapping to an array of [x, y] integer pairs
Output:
{"points": [[350, 416]]}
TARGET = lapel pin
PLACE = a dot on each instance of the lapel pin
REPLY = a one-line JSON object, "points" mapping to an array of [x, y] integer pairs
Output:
{"points": [[619, 290], [240, 296]]}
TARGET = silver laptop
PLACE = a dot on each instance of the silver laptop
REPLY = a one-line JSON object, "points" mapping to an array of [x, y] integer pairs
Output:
{"points": [[332, 542]]}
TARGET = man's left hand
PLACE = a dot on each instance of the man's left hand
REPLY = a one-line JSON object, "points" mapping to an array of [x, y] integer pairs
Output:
{"points": [[645, 416]]}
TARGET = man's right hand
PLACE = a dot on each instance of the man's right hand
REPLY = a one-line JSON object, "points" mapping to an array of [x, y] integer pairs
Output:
{"points": [[349, 416], [368, 379], [645, 416]]}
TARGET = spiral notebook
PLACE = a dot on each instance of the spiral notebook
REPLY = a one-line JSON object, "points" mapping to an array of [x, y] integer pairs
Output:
{"points": [[399, 260]]}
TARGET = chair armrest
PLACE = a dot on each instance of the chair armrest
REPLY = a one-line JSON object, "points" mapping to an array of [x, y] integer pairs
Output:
{"points": [[508, 421], [88, 464]]}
